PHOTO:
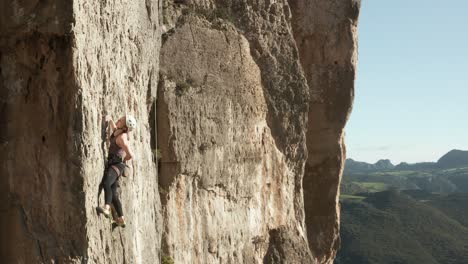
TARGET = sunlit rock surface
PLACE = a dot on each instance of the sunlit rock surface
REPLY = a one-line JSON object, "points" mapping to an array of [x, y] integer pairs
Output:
{"points": [[239, 100]]}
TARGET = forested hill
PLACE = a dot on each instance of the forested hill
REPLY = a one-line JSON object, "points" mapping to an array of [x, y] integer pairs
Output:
{"points": [[405, 213], [404, 227]]}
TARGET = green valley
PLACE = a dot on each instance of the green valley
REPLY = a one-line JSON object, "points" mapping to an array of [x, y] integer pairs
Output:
{"points": [[408, 213]]}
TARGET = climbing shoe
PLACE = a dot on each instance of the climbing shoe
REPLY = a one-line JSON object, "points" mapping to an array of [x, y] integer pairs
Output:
{"points": [[104, 211], [120, 222]]}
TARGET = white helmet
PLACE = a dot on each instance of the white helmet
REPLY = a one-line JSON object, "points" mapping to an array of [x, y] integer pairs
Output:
{"points": [[130, 122]]}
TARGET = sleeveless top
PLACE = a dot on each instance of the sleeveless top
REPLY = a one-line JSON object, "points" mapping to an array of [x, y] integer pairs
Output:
{"points": [[115, 151]]}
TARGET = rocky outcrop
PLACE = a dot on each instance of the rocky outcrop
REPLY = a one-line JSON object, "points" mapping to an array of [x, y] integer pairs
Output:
{"points": [[326, 37], [246, 90]]}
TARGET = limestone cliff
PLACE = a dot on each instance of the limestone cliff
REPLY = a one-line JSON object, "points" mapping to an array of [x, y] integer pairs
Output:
{"points": [[64, 65], [231, 123], [326, 37], [238, 100]]}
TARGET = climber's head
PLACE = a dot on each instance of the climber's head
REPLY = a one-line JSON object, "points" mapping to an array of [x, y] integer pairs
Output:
{"points": [[127, 122], [130, 122]]}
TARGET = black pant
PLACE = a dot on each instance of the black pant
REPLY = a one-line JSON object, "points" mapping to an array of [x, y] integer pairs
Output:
{"points": [[110, 185]]}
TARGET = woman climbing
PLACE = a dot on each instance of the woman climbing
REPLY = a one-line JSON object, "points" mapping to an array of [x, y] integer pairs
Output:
{"points": [[119, 154]]}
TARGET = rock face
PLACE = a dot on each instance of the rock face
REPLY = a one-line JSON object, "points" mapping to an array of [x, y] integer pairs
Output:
{"points": [[42, 200], [252, 96], [326, 36], [63, 66], [229, 179], [116, 62]]}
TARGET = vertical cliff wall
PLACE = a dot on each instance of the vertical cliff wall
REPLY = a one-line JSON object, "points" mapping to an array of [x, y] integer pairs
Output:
{"points": [[232, 107], [252, 96], [116, 66], [64, 65], [42, 200], [326, 37]]}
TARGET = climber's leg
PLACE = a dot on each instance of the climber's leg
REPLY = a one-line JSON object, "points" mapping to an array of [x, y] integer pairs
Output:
{"points": [[116, 200], [109, 180], [120, 221]]}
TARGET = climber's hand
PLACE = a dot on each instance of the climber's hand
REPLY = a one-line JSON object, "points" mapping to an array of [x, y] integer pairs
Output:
{"points": [[108, 118]]}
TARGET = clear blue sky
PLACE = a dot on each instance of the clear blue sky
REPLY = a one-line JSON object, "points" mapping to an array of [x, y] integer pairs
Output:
{"points": [[411, 99]]}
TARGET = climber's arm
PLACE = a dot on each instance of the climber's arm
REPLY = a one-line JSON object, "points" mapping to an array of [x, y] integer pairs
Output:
{"points": [[122, 141], [111, 122]]}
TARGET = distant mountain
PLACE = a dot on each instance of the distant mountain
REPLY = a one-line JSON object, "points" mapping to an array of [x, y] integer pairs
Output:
{"points": [[383, 164], [416, 166], [443, 181], [392, 227], [352, 165], [448, 175], [454, 159]]}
